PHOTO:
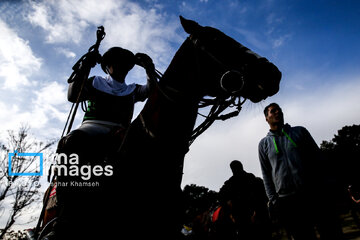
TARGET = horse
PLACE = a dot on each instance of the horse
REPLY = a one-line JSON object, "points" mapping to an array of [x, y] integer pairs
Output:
{"points": [[208, 63], [144, 192]]}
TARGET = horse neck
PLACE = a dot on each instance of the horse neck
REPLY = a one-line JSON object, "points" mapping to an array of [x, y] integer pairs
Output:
{"points": [[172, 109], [183, 73]]}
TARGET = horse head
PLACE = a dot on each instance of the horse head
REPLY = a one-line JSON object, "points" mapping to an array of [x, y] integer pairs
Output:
{"points": [[219, 65]]}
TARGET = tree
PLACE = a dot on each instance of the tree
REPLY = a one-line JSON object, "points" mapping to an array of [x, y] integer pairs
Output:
{"points": [[198, 199], [16, 187], [343, 151]]}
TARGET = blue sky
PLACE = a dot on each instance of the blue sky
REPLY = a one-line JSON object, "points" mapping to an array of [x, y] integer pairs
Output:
{"points": [[314, 43]]}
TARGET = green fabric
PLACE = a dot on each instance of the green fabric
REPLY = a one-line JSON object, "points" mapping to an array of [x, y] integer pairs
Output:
{"points": [[288, 137], [276, 147]]}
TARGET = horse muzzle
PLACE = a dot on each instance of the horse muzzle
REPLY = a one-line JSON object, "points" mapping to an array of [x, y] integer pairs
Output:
{"points": [[264, 78]]}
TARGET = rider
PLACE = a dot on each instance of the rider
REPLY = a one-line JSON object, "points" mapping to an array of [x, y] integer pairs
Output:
{"points": [[110, 99], [110, 104]]}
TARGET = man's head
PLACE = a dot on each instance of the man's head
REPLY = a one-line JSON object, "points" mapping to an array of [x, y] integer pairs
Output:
{"points": [[236, 167], [274, 116], [117, 62]]}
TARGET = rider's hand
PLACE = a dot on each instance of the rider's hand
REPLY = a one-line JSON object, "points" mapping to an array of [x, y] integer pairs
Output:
{"points": [[92, 58], [144, 61]]}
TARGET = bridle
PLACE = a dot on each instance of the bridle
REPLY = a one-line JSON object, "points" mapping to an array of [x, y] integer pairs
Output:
{"points": [[228, 71], [218, 104]]}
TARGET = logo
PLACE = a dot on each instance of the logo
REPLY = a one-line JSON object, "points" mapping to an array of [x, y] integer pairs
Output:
{"points": [[24, 156], [64, 165], [70, 166]]}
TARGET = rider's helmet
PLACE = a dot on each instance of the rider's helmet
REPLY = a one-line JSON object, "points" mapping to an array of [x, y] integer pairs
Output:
{"points": [[119, 57]]}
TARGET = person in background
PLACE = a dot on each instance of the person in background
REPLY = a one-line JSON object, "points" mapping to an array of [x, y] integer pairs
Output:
{"points": [[354, 194], [291, 165], [243, 196]]}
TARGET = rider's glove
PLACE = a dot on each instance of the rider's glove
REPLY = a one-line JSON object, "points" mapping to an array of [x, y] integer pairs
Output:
{"points": [[144, 61], [92, 58]]}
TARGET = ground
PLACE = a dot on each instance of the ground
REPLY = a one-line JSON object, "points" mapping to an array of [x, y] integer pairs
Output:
{"points": [[350, 229]]}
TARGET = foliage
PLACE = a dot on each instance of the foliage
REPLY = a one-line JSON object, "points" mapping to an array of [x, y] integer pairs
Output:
{"points": [[198, 199], [18, 192], [343, 151], [15, 235]]}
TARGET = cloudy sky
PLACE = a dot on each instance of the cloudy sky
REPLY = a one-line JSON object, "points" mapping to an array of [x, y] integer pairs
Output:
{"points": [[315, 44]]}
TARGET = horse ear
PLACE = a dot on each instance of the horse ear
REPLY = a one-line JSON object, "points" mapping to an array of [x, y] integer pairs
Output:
{"points": [[191, 27]]}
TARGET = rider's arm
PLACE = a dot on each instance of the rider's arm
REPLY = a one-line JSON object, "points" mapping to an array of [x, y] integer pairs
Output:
{"points": [[143, 91], [75, 88], [146, 62], [80, 82]]}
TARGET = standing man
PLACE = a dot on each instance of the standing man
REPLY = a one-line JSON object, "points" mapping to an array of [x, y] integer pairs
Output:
{"points": [[243, 195], [291, 166]]}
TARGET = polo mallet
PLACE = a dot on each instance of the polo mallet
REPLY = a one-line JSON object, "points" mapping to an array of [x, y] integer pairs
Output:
{"points": [[82, 66]]}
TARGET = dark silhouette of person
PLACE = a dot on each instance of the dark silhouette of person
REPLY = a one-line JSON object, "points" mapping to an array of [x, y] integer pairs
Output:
{"points": [[354, 194], [291, 164], [110, 99], [110, 105], [243, 197]]}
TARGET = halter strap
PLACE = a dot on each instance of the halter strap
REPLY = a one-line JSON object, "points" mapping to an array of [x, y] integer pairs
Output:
{"points": [[219, 104], [227, 70]]}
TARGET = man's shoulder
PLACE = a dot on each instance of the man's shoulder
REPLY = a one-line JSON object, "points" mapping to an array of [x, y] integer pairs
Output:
{"points": [[264, 140], [298, 129], [250, 176]]}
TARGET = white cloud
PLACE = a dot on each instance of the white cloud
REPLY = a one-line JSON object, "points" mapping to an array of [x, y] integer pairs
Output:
{"points": [[66, 52], [327, 109], [17, 61], [13, 118], [56, 19], [52, 93], [49, 105], [322, 111], [275, 32], [143, 31], [280, 40], [42, 112], [253, 38], [273, 19], [126, 23]]}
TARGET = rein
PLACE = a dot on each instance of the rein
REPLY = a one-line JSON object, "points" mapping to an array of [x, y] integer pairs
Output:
{"points": [[219, 103], [218, 106]]}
